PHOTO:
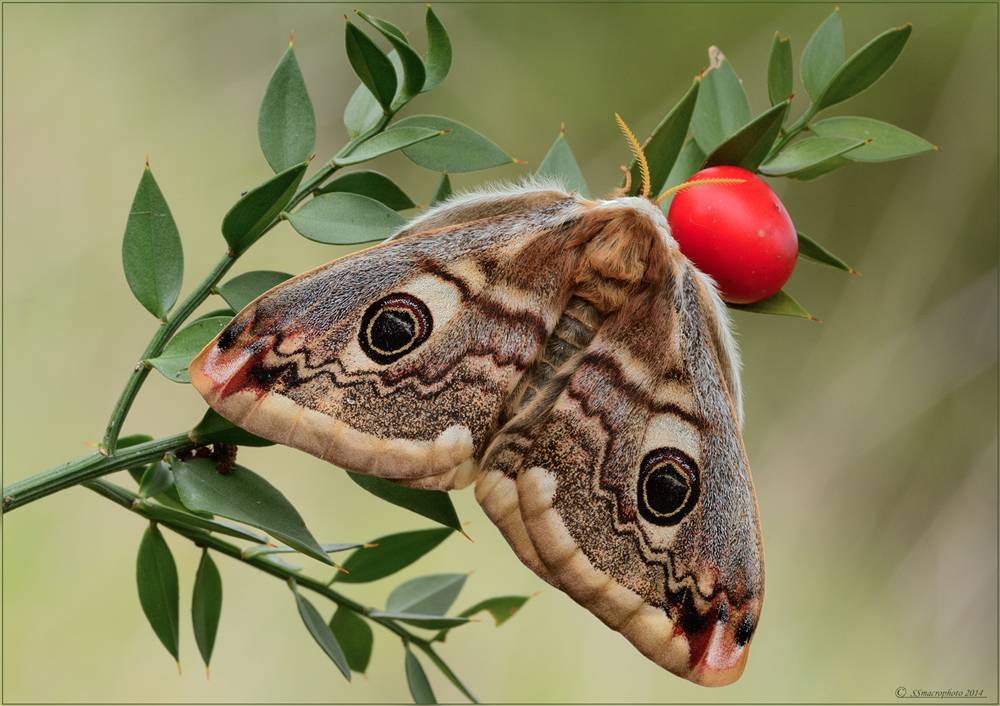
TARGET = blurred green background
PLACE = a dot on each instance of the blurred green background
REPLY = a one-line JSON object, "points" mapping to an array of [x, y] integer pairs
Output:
{"points": [[872, 436]]}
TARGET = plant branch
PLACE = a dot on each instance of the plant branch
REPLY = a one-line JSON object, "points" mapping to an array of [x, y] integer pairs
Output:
{"points": [[133, 502], [87, 468]]}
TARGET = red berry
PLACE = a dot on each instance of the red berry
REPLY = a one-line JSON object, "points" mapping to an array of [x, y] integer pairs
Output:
{"points": [[739, 234]]}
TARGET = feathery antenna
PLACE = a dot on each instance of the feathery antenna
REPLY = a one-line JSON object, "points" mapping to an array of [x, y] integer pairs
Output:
{"points": [[696, 182], [639, 156]]}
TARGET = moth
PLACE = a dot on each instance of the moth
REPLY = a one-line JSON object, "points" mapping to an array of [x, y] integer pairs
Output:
{"points": [[562, 354]]}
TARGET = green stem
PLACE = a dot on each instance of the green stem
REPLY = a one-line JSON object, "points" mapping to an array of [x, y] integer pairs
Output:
{"points": [[131, 501], [87, 468]]}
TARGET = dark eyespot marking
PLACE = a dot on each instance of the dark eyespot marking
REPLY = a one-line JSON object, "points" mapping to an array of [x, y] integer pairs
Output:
{"points": [[393, 326], [668, 486]]}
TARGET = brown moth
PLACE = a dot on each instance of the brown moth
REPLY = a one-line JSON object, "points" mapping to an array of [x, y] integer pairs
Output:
{"points": [[563, 354]]}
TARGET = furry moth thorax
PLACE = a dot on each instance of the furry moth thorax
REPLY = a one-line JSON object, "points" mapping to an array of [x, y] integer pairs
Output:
{"points": [[563, 354]]}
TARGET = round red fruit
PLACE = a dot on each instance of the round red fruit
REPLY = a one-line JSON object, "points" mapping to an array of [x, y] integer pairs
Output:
{"points": [[739, 234]]}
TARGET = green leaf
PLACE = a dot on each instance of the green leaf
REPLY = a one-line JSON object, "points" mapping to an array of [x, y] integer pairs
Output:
{"points": [[385, 27], [157, 479], [206, 605], [502, 608], [372, 184], [722, 107], [426, 595], [461, 150], [344, 218], [159, 595], [355, 637], [266, 549], [244, 496], [253, 213], [888, 141], [807, 154], [809, 249], [171, 499], [779, 70], [443, 191], [428, 622], [823, 55], [321, 632], [781, 304], [865, 67], [133, 440], [830, 165], [664, 144], [688, 164], [386, 142], [175, 513], [244, 288], [184, 517], [362, 113], [372, 65], [420, 688], [751, 143], [560, 163], [214, 428], [286, 124], [412, 65], [173, 362], [391, 553], [137, 472], [225, 311], [438, 61], [432, 504], [151, 249]]}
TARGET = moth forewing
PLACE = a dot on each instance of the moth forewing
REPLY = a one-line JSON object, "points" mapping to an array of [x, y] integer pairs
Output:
{"points": [[397, 360]]}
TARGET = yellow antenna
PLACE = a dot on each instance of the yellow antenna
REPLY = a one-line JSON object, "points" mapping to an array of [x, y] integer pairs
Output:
{"points": [[639, 156], [696, 182]]}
